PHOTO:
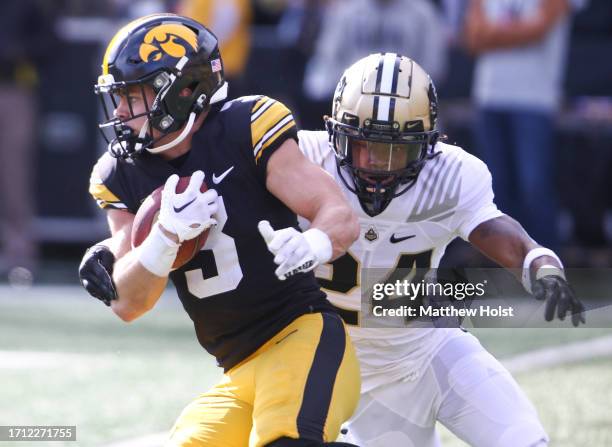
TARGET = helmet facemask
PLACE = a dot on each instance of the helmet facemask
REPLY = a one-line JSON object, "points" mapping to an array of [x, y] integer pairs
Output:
{"points": [[382, 161], [123, 141]]}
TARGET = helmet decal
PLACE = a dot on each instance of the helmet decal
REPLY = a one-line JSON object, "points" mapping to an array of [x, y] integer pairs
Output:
{"points": [[171, 39], [118, 39]]}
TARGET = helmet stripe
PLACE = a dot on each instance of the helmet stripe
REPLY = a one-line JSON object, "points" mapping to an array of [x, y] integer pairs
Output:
{"points": [[410, 79], [396, 70], [375, 106], [387, 73], [383, 108], [379, 72], [395, 74]]}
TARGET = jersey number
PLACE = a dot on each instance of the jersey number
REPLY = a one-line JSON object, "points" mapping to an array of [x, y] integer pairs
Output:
{"points": [[222, 260], [345, 276]]}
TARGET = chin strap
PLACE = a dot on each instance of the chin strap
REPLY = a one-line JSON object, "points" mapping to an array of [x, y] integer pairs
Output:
{"points": [[177, 140], [218, 96]]}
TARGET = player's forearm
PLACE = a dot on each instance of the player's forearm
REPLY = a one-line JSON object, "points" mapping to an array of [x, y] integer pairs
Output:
{"points": [[504, 241], [138, 289], [339, 222]]}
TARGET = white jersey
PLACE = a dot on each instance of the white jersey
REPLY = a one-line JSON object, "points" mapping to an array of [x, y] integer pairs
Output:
{"points": [[452, 196]]}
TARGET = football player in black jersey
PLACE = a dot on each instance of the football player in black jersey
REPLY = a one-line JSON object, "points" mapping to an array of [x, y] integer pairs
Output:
{"points": [[291, 376]]}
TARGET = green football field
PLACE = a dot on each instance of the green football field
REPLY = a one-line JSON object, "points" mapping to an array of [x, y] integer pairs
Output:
{"points": [[65, 359]]}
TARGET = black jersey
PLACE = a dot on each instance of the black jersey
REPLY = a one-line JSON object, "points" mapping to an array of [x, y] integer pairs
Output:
{"points": [[229, 288]]}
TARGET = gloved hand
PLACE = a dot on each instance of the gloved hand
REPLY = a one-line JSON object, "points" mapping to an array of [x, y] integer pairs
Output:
{"points": [[96, 273], [295, 252], [189, 213], [559, 297]]}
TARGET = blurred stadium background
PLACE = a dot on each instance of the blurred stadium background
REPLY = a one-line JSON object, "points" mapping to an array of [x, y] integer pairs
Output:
{"points": [[66, 360]]}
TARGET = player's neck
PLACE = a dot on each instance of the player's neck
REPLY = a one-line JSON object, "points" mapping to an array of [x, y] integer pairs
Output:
{"points": [[184, 146]]}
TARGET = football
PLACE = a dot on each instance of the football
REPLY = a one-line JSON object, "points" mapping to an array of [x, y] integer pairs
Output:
{"points": [[147, 216]]}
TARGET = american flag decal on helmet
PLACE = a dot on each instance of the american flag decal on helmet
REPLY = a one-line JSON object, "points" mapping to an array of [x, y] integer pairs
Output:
{"points": [[215, 64]]}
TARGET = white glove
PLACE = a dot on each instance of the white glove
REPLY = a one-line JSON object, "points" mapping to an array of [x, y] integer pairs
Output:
{"points": [[296, 252], [189, 213]]}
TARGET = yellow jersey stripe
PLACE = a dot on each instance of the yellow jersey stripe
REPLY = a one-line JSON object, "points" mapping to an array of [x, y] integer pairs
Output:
{"points": [[100, 192], [267, 120], [261, 110], [259, 144], [102, 204], [260, 102], [288, 125]]}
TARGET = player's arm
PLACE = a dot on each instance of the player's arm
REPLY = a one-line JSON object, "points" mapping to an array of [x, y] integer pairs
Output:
{"points": [[310, 192], [124, 285], [110, 270], [135, 282], [137, 288], [304, 188], [482, 35], [504, 240]]}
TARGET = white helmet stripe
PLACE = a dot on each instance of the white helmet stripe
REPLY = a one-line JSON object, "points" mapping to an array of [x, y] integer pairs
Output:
{"points": [[386, 82], [383, 108]]}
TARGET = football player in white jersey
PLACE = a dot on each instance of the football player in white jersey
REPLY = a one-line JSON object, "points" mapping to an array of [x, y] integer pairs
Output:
{"points": [[414, 194]]}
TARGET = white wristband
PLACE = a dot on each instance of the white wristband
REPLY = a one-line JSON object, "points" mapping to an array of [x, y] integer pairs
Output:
{"points": [[157, 252], [549, 270], [319, 243], [531, 256]]}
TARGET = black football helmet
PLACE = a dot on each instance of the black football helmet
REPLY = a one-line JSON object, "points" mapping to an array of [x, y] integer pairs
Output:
{"points": [[383, 127], [168, 53]]}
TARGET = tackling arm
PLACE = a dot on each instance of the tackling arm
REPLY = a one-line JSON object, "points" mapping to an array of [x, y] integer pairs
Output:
{"points": [[310, 192], [333, 227]]}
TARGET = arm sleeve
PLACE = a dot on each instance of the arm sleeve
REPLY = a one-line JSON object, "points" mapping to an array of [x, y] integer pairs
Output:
{"points": [[101, 186], [476, 204], [272, 124]]}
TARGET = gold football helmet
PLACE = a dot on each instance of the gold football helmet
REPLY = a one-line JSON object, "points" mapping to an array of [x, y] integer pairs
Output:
{"points": [[383, 127]]}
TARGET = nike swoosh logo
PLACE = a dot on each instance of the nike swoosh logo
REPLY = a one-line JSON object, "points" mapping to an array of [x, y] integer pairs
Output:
{"points": [[181, 208], [217, 180], [395, 240]]}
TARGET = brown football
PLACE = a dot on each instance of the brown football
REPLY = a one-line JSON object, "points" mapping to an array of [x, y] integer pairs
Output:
{"points": [[147, 216]]}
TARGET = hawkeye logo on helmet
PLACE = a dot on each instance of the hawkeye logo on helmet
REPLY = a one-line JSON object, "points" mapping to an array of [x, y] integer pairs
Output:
{"points": [[171, 39]]}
